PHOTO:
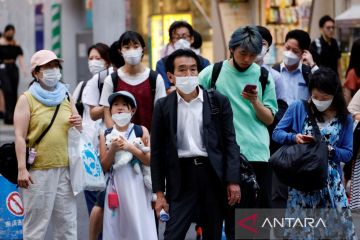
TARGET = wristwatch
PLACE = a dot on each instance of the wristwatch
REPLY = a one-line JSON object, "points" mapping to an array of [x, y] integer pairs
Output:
{"points": [[331, 151]]}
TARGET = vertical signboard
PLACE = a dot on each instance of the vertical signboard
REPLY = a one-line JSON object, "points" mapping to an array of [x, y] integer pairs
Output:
{"points": [[39, 27]]}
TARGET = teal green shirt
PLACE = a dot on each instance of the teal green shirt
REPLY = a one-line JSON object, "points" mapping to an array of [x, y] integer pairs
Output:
{"points": [[251, 134]]}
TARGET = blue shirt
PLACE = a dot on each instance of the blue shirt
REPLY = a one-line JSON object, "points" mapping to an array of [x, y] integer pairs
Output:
{"points": [[291, 86]]}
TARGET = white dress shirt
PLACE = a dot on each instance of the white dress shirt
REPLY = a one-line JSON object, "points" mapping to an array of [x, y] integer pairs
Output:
{"points": [[190, 127]]}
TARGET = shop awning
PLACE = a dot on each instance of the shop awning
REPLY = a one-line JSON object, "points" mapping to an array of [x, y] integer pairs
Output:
{"points": [[349, 18]]}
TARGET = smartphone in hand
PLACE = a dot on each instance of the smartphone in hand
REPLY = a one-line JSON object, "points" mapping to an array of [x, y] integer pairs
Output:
{"points": [[308, 138], [250, 88]]}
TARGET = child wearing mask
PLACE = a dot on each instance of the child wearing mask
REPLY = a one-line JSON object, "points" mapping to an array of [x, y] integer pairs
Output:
{"points": [[146, 85], [127, 210]]}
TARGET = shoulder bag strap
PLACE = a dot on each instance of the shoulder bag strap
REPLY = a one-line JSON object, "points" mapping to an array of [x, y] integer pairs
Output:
{"points": [[47, 129]]}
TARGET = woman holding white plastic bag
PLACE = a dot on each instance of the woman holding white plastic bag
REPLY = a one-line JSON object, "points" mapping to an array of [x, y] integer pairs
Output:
{"points": [[47, 192], [127, 210]]}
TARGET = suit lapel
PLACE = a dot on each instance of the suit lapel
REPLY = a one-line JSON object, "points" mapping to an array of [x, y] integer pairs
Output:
{"points": [[172, 108], [206, 117], [206, 110]]}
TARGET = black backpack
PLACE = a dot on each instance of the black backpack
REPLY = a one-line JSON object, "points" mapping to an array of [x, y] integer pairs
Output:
{"points": [[217, 68], [137, 130], [79, 105], [249, 185], [152, 78]]}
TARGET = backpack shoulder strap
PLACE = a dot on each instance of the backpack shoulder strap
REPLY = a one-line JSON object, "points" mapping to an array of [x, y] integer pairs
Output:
{"points": [[264, 74], [215, 73], [318, 46], [114, 78], [78, 100], [276, 67], [306, 71], [152, 78], [214, 106], [138, 130]]}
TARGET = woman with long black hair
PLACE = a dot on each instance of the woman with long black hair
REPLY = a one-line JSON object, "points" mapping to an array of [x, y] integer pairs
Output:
{"points": [[328, 106]]}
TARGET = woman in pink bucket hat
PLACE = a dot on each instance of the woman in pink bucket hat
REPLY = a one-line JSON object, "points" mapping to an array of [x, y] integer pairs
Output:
{"points": [[46, 187]]}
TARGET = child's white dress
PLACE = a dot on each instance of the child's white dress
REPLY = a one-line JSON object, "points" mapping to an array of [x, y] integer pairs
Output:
{"points": [[134, 218]]}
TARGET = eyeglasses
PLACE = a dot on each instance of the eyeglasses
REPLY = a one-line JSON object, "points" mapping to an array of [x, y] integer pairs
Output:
{"points": [[330, 28], [183, 36]]}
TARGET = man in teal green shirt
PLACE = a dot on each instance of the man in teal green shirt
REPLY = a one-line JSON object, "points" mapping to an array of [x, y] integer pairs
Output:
{"points": [[253, 110]]}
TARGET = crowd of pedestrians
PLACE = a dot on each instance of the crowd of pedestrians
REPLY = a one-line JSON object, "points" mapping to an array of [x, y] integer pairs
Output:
{"points": [[197, 120]]}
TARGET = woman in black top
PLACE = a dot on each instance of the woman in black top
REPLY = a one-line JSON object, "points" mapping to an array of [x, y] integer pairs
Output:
{"points": [[10, 51]]}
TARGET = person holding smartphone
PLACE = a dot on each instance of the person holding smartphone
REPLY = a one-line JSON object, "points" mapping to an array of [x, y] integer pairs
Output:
{"points": [[253, 109]]}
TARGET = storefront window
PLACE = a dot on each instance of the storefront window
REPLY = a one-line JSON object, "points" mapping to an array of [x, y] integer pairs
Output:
{"points": [[282, 16]]}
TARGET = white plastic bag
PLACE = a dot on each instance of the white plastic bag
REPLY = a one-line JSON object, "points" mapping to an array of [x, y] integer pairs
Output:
{"points": [[85, 167]]}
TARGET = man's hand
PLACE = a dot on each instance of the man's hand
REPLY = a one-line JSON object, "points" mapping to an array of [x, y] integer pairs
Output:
{"points": [[233, 193], [252, 97], [307, 58], [161, 203]]}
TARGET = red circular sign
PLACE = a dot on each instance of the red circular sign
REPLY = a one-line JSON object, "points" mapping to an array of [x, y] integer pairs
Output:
{"points": [[14, 204]]}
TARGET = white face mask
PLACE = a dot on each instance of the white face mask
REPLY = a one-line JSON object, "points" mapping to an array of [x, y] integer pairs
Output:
{"points": [[96, 66], [290, 58], [322, 105], [260, 57], [133, 56], [187, 84], [121, 119], [51, 76], [181, 44]]}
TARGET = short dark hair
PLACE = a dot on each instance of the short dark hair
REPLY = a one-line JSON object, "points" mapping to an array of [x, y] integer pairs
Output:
{"points": [[247, 38], [9, 27], [265, 34], [103, 50], [131, 36], [324, 19], [116, 58], [179, 24], [326, 80], [169, 62], [301, 37]]}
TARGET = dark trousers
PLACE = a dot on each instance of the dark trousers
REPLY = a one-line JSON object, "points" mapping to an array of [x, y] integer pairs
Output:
{"points": [[9, 83], [200, 187], [263, 174], [279, 193], [279, 196]]}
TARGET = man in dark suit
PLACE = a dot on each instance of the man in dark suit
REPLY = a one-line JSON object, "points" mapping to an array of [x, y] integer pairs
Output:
{"points": [[193, 151]]}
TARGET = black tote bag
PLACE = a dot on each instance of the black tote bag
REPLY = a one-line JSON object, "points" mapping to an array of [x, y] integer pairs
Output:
{"points": [[303, 166]]}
